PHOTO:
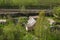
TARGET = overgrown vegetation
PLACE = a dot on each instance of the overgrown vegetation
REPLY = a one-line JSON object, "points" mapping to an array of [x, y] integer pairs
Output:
{"points": [[29, 3], [17, 31], [42, 29]]}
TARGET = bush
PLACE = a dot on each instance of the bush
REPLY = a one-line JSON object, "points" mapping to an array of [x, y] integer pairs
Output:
{"points": [[56, 11], [13, 32], [29, 36], [42, 29], [41, 26]]}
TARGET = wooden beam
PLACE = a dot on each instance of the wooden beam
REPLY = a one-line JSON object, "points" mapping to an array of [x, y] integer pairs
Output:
{"points": [[26, 11]]}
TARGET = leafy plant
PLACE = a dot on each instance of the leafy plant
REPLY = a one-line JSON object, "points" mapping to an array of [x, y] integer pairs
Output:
{"points": [[41, 26]]}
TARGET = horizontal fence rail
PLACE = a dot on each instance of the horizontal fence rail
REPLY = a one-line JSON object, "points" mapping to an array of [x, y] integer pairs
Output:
{"points": [[24, 11]]}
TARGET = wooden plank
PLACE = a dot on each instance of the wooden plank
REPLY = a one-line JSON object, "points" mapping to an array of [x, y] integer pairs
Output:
{"points": [[14, 11]]}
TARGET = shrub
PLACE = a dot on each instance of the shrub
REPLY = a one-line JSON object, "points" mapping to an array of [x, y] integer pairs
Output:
{"points": [[56, 11], [14, 32], [29, 36], [41, 26]]}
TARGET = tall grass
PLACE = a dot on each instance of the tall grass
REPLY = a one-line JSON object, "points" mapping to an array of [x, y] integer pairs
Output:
{"points": [[12, 31], [41, 26], [42, 29]]}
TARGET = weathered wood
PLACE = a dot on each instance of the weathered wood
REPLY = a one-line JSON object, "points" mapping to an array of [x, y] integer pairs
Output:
{"points": [[14, 11]]}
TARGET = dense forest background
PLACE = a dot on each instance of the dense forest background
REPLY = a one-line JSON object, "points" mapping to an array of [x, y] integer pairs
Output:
{"points": [[29, 3]]}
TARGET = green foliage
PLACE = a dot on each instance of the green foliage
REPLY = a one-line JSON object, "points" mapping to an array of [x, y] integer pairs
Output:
{"points": [[20, 29], [41, 26], [56, 33], [56, 11], [23, 19], [42, 29], [11, 31], [8, 31], [16, 3], [19, 3], [29, 36]]}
